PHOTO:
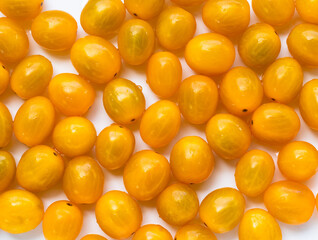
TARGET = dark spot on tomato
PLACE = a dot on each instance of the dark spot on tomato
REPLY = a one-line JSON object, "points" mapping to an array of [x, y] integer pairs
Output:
{"points": [[132, 233], [132, 120], [3, 67], [55, 154], [69, 204], [115, 74], [205, 224], [135, 14], [120, 126], [252, 122], [41, 4], [244, 110], [276, 33], [274, 99]]}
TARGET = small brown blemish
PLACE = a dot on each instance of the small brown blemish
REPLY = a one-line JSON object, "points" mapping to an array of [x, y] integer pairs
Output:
{"points": [[3, 67], [132, 233], [252, 122], [120, 126], [191, 183], [69, 204], [244, 110], [175, 238], [135, 14], [55, 154], [205, 224], [132, 120], [274, 99], [115, 74], [41, 4], [276, 33]]}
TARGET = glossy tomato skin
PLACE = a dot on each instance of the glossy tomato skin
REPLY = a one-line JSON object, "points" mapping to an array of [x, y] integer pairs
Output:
{"points": [[7, 169], [4, 78], [188, 3], [152, 232], [62, 221], [194, 231], [6, 126], [307, 10], [21, 9], [144, 9], [93, 237]]}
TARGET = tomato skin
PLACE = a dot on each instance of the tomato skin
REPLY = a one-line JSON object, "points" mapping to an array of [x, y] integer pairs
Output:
{"points": [[188, 3], [194, 231], [4, 78], [7, 169], [144, 9], [307, 10], [6, 126], [93, 237], [21, 9], [152, 232]]}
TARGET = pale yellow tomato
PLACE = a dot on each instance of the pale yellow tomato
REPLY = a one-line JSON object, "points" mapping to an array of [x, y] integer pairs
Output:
{"points": [[62, 221], [6, 126], [198, 99], [178, 204], [54, 30], [254, 172], [4, 78], [283, 80], [93, 237], [259, 224], [275, 123], [175, 27], [229, 18], [102, 17], [259, 46], [222, 209], [71, 94], [20, 211], [164, 74], [194, 232], [144, 9], [229, 136], [191, 160], [210, 54], [118, 215], [34, 121], [83, 180], [14, 43], [290, 202], [21, 9], [160, 123], [307, 9], [7, 169], [31, 76], [188, 3], [74, 136], [241, 91], [152, 232], [39, 169], [136, 41]]}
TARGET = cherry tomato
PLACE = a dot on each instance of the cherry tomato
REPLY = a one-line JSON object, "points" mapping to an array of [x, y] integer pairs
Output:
{"points": [[31, 76], [178, 204], [34, 121], [160, 123], [20, 211], [136, 41], [93, 237], [54, 30], [21, 9], [290, 202], [210, 54], [5, 126], [194, 232], [118, 215], [222, 209], [71, 94], [191, 160], [198, 99], [254, 172], [123, 100], [7, 169], [39, 169], [95, 59], [146, 175], [307, 9], [144, 9], [188, 3], [152, 232], [74, 136], [4, 78], [229, 136], [62, 220]]}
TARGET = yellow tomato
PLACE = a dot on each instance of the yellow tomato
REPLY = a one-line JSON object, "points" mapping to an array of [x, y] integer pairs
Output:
{"points": [[259, 46], [114, 146], [274, 12], [283, 80], [241, 91], [102, 17], [308, 103], [31, 76], [191, 160], [34, 121], [5, 126], [152, 232], [303, 44], [222, 209], [124, 101], [14, 43], [175, 27], [93, 237], [144, 9], [54, 30], [290, 202], [21, 9], [4, 78], [136, 41], [188, 3], [198, 99], [298, 161], [20, 211], [164, 74], [118, 215], [83, 180], [74, 136], [259, 224], [71, 94], [210, 54], [275, 123], [254, 172], [228, 18], [194, 232], [178, 204], [95, 59], [7, 169], [229, 136], [39, 169], [146, 175], [307, 9], [160, 123], [62, 221]]}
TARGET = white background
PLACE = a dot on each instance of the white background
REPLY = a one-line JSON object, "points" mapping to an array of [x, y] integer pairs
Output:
{"points": [[223, 175]]}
